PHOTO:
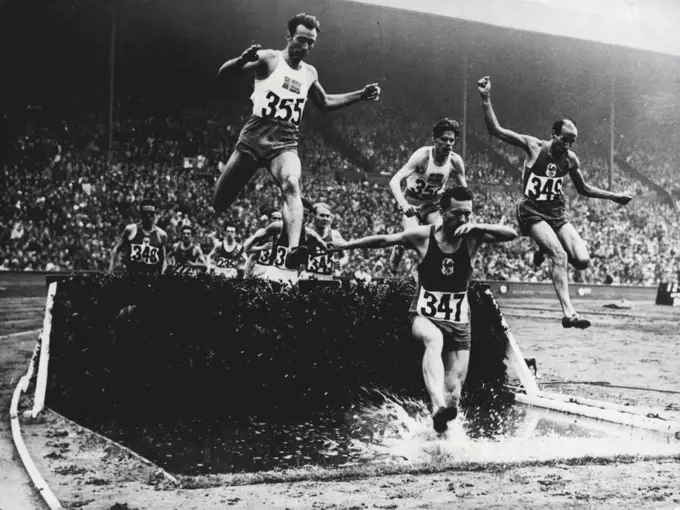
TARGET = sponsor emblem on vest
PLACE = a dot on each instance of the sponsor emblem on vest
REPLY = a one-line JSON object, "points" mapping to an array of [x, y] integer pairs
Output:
{"points": [[146, 241], [551, 171], [447, 267]]}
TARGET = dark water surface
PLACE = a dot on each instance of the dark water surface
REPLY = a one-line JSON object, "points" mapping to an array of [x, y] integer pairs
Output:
{"points": [[394, 431]]}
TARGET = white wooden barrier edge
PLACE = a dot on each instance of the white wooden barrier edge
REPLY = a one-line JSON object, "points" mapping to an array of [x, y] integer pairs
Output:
{"points": [[35, 476], [41, 383]]}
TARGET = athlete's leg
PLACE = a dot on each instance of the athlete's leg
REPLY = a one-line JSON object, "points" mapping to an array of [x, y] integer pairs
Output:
{"points": [[456, 367], [433, 365], [398, 251], [549, 243], [573, 244], [238, 171], [287, 170]]}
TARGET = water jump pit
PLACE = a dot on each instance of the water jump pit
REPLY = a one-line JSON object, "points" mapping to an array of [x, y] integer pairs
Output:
{"points": [[396, 436], [370, 432]]}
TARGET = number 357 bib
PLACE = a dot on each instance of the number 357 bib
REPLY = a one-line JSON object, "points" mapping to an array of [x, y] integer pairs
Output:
{"points": [[443, 306]]}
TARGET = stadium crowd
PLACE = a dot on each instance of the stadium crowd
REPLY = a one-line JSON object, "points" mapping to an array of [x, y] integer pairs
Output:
{"points": [[66, 200]]}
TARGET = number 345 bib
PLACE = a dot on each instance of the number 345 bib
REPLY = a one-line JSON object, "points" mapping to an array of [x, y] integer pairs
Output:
{"points": [[443, 306]]}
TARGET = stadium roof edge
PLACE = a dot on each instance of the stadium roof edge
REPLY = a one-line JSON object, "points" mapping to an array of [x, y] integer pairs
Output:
{"points": [[639, 24]]}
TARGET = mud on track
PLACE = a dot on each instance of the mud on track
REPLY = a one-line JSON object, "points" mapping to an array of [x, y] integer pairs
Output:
{"points": [[634, 348]]}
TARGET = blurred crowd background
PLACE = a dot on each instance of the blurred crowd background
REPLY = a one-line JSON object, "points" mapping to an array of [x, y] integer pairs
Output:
{"points": [[111, 102], [67, 200]]}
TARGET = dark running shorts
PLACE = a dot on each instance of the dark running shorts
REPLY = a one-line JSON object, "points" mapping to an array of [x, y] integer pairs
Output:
{"points": [[457, 336], [530, 212], [265, 139]]}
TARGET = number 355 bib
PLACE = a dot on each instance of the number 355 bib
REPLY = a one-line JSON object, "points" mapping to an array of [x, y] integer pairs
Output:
{"points": [[443, 306]]}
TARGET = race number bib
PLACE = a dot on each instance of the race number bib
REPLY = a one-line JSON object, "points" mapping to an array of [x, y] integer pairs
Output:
{"points": [[320, 264], [423, 189], [443, 306], [287, 109], [280, 257], [543, 188], [224, 263], [264, 257], [144, 254], [184, 269]]}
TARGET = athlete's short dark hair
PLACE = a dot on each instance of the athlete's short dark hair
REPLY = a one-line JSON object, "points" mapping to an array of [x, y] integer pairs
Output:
{"points": [[557, 125], [304, 19], [187, 227], [459, 193], [446, 124], [147, 202]]}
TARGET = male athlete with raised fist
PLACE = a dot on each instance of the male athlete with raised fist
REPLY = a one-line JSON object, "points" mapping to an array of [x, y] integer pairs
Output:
{"points": [[541, 210], [270, 136]]}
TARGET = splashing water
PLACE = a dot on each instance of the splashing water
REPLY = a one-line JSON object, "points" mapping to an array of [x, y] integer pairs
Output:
{"points": [[403, 433], [393, 432]]}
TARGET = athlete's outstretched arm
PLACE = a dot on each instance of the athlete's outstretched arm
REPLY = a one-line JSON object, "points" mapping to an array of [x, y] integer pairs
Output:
{"points": [[377, 241], [590, 191], [488, 232], [411, 238], [327, 102], [492, 124]]}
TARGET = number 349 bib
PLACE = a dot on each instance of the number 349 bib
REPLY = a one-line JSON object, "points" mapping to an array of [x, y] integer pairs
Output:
{"points": [[443, 306], [541, 188]]}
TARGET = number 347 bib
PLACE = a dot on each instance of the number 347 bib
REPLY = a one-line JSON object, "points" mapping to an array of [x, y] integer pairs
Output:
{"points": [[443, 306]]}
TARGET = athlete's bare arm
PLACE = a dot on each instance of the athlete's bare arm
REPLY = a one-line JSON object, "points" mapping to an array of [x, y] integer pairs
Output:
{"points": [[590, 191], [313, 233], [271, 230], [344, 256], [210, 260], [124, 238], [414, 238], [417, 159], [326, 102], [529, 144], [201, 258], [163, 235], [458, 177], [478, 233], [171, 253], [253, 59]]}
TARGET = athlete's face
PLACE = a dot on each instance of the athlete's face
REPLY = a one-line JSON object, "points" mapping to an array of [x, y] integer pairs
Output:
{"points": [[301, 42], [186, 236], [443, 144], [323, 217], [148, 216], [567, 137], [230, 233], [276, 216], [458, 213]]}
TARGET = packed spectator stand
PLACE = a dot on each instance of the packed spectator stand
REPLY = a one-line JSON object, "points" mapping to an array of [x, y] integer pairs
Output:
{"points": [[67, 199]]}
